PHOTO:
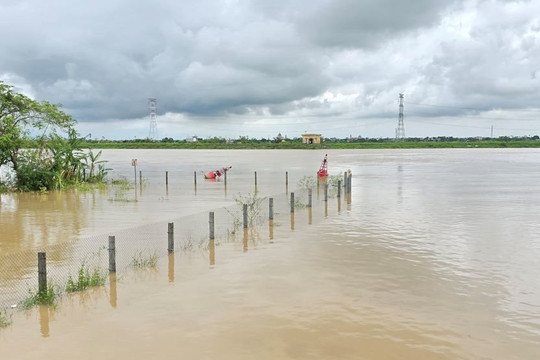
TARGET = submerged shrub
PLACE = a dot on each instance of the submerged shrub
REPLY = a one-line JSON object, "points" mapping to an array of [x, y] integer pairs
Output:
{"points": [[86, 279]]}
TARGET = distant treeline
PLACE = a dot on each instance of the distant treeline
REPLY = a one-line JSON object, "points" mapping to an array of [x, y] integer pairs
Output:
{"points": [[328, 143]]}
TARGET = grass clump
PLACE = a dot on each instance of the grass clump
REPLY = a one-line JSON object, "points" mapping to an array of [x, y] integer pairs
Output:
{"points": [[122, 183], [144, 261], [119, 191], [47, 297], [85, 279], [5, 320]]}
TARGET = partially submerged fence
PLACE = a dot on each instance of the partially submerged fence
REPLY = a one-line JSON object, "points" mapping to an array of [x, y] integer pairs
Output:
{"points": [[26, 272]]}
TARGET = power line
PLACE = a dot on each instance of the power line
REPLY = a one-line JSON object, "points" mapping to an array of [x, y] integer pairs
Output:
{"points": [[480, 110]]}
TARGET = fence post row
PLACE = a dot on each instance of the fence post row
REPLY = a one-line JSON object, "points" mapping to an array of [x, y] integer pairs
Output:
{"points": [[112, 254]]}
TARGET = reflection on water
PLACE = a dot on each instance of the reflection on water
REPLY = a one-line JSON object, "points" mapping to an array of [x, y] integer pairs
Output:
{"points": [[30, 220], [433, 255], [113, 295], [212, 251]]}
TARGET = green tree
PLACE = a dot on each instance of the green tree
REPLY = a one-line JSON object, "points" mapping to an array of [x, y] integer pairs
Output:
{"points": [[20, 117]]}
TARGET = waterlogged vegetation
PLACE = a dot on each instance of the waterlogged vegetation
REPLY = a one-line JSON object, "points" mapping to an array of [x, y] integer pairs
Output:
{"points": [[40, 147], [254, 206], [86, 278], [144, 260], [120, 191], [47, 297], [312, 182], [5, 320]]}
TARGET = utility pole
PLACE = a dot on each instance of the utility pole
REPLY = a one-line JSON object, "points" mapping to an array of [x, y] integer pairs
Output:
{"points": [[400, 130]]}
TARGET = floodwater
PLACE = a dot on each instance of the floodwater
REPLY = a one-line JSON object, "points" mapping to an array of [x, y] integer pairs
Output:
{"points": [[434, 256]]}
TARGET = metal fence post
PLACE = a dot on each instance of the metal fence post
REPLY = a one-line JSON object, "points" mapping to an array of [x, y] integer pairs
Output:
{"points": [[292, 202], [112, 254], [42, 272], [325, 192], [170, 233], [211, 224], [271, 209], [245, 212]]}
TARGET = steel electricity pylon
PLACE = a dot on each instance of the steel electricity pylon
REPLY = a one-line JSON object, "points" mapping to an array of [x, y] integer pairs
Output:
{"points": [[400, 130], [152, 134]]}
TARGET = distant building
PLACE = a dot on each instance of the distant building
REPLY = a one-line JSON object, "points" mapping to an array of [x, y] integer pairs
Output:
{"points": [[311, 138], [193, 138]]}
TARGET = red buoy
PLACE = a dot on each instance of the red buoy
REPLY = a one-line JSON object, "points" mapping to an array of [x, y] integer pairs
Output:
{"points": [[216, 173], [323, 170]]}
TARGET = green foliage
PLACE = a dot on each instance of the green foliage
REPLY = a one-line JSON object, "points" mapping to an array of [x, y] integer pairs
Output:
{"points": [[86, 279], [144, 261], [49, 161], [329, 143], [34, 174], [19, 116], [5, 320], [47, 297], [96, 167]]}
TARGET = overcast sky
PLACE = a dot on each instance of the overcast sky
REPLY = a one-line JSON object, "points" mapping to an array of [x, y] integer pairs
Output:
{"points": [[257, 68]]}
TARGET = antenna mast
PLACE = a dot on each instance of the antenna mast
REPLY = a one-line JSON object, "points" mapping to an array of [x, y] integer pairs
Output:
{"points": [[400, 130], [152, 135]]}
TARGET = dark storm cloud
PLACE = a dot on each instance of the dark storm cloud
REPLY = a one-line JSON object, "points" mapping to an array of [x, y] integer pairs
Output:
{"points": [[196, 57], [352, 23]]}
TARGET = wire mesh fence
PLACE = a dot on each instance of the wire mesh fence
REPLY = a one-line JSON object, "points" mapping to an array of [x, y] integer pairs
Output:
{"points": [[133, 247]]}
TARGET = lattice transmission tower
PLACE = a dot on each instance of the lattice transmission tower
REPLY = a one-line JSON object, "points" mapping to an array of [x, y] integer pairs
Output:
{"points": [[400, 130], [152, 134]]}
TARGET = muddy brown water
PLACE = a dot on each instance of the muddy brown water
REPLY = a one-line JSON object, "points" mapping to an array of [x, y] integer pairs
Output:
{"points": [[434, 256]]}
